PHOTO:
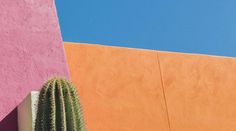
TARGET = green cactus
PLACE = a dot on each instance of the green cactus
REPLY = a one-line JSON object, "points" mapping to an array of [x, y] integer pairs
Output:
{"points": [[59, 108]]}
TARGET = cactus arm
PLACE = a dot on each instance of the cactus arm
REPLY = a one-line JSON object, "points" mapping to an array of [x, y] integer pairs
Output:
{"points": [[52, 106], [41, 113], [69, 109], [78, 110], [60, 109]]}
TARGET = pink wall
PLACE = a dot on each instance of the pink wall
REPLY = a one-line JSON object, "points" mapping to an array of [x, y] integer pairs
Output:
{"points": [[30, 50]]}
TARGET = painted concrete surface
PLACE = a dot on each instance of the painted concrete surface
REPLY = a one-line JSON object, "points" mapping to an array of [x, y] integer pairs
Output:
{"points": [[200, 91], [31, 49], [120, 89], [27, 112]]}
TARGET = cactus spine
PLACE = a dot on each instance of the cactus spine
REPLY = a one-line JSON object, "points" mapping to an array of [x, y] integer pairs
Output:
{"points": [[59, 108]]}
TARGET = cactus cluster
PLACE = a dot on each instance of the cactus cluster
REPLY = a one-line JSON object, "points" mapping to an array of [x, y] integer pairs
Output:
{"points": [[58, 107]]}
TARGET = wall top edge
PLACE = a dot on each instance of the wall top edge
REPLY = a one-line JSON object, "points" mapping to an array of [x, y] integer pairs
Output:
{"points": [[140, 49]]}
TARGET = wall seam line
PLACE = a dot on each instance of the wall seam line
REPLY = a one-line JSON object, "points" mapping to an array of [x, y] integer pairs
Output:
{"points": [[163, 89]]}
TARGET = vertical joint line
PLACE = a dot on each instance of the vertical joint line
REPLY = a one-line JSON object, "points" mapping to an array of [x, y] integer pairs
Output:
{"points": [[163, 90]]}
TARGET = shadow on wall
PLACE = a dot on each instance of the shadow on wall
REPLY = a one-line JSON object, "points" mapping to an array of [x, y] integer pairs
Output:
{"points": [[9, 123]]}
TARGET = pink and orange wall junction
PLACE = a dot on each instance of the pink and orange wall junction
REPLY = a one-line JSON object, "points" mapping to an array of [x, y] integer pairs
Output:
{"points": [[121, 89]]}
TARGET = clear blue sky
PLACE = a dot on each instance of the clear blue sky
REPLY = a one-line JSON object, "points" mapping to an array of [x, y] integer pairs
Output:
{"points": [[195, 26]]}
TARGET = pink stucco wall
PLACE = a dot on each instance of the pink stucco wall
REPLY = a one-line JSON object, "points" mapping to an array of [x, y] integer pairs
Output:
{"points": [[30, 49]]}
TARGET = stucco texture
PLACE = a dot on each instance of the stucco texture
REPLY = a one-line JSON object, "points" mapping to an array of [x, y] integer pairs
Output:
{"points": [[31, 51], [200, 91], [120, 89], [142, 90]]}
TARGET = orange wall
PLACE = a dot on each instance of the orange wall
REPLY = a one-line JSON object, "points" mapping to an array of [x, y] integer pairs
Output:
{"points": [[125, 89], [200, 91], [120, 88]]}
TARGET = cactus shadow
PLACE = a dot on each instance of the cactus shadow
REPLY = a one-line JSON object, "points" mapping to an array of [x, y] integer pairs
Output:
{"points": [[9, 123]]}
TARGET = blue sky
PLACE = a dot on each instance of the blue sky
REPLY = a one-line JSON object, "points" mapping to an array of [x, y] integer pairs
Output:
{"points": [[194, 26]]}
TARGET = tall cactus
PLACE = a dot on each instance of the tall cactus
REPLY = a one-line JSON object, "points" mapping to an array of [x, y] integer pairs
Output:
{"points": [[59, 108]]}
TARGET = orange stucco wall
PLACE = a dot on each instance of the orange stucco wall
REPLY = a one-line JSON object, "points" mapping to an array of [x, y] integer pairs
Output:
{"points": [[125, 89], [200, 91], [120, 88]]}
